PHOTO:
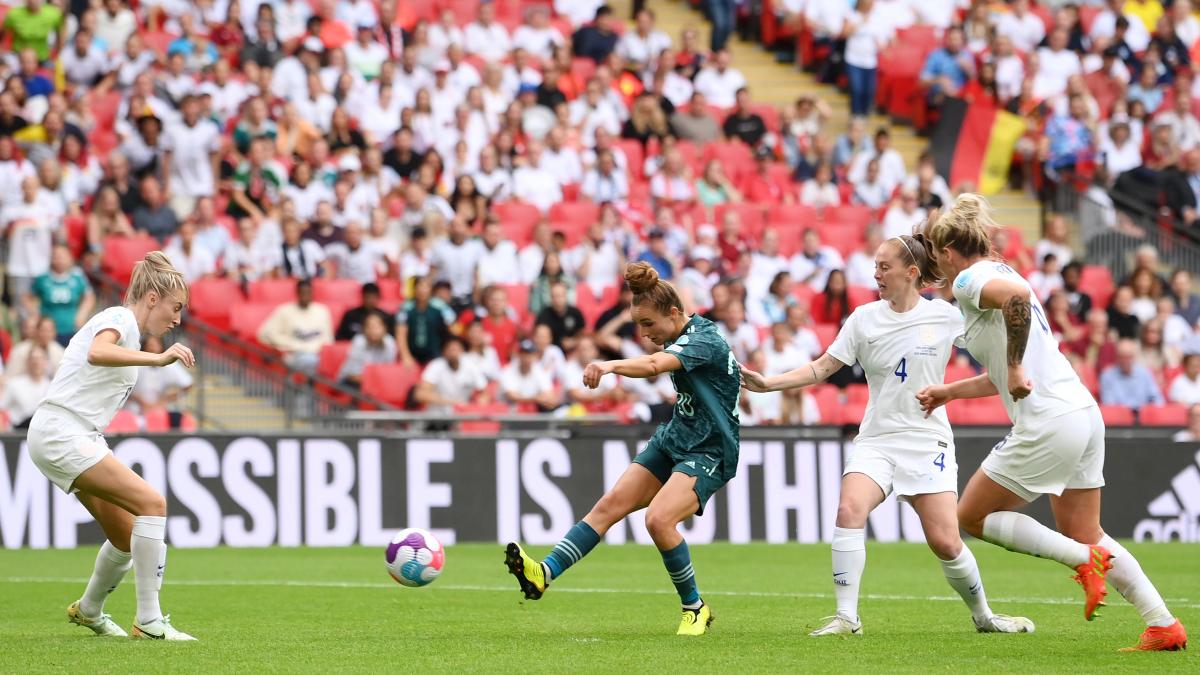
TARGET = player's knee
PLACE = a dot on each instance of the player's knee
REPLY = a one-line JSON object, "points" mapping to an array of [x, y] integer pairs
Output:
{"points": [[609, 509], [152, 504], [946, 545], [851, 515], [971, 522], [659, 524]]}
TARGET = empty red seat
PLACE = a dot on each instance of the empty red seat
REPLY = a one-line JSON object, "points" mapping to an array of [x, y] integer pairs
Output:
{"points": [[1117, 415], [391, 291], [273, 291], [857, 393], [1169, 415], [803, 293], [1097, 282], [390, 383], [859, 295], [76, 230], [828, 402], [846, 238], [157, 420], [124, 422], [245, 318], [792, 216], [826, 333], [122, 253], [574, 213], [849, 214], [988, 410], [958, 411], [331, 358], [517, 214], [211, 300], [337, 291], [956, 372], [481, 426], [593, 302], [518, 300]]}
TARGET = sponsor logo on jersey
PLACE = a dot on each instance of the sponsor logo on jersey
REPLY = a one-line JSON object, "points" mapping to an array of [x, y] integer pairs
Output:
{"points": [[963, 279], [1175, 514]]}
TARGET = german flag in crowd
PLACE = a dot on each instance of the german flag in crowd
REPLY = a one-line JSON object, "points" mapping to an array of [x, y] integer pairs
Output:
{"points": [[974, 142]]}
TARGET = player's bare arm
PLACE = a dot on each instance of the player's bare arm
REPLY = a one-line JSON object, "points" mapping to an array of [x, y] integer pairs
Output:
{"points": [[1012, 299], [642, 366], [107, 353], [814, 372], [935, 396]]}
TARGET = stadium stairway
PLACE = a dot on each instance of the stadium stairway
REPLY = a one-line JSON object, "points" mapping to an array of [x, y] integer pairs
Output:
{"points": [[782, 83], [228, 407]]}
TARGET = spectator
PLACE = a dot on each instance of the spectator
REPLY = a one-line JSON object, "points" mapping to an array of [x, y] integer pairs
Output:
{"points": [[1054, 240], [860, 266], [1080, 302], [698, 278], [1068, 139], [1192, 433], [820, 191], [596, 261], [657, 255], [299, 258], [1066, 327], [743, 123], [603, 398], [195, 262], [485, 37], [763, 185], [450, 380], [1098, 350], [891, 164], [1185, 128], [596, 40], [353, 320], [742, 337], [32, 228], [832, 305], [1046, 279], [356, 258], [1151, 351], [868, 30], [1024, 28], [161, 388], [456, 260], [257, 183], [299, 329], [566, 322], [1147, 289], [534, 184], [672, 185], [780, 356], [640, 46], [732, 243], [646, 121], [1056, 65], [374, 345], [250, 258], [37, 332], [422, 324], [1187, 302], [498, 321], [552, 273], [1185, 388], [813, 263], [526, 383], [696, 123], [1177, 333], [605, 182], [548, 354], [714, 187], [479, 349], [1108, 23], [32, 25], [718, 82], [947, 70], [772, 307], [1120, 313], [25, 390], [1128, 382], [871, 191]]}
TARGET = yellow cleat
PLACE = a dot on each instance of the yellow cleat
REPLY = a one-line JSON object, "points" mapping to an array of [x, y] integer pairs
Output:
{"points": [[695, 621], [530, 573]]}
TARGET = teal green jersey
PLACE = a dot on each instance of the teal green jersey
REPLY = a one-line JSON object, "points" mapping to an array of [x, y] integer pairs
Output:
{"points": [[60, 297], [709, 386]]}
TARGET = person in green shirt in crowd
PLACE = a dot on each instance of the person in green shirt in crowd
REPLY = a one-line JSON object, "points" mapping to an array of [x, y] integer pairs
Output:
{"points": [[32, 25], [63, 294]]}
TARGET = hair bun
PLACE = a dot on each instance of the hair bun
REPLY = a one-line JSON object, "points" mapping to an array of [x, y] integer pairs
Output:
{"points": [[641, 277]]}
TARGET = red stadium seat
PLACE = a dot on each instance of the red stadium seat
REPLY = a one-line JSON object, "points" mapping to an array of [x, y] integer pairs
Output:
{"points": [[211, 300], [1117, 415], [635, 156], [803, 293], [791, 216], [849, 214], [104, 108], [1169, 415], [337, 291], [828, 402], [988, 410], [518, 300], [124, 422], [956, 372], [826, 333], [859, 295], [857, 393], [76, 230], [331, 358], [1097, 282], [959, 412], [853, 412], [273, 291], [517, 213], [390, 383], [245, 318], [575, 214], [592, 306], [158, 41], [846, 238], [391, 291], [481, 426], [122, 253], [157, 420], [790, 241]]}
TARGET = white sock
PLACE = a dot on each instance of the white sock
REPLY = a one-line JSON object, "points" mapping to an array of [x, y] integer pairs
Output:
{"points": [[849, 559], [149, 560], [1018, 532], [111, 565], [1132, 583], [963, 575]]}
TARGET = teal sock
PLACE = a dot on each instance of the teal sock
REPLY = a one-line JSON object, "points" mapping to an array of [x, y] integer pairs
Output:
{"points": [[580, 541], [679, 565]]}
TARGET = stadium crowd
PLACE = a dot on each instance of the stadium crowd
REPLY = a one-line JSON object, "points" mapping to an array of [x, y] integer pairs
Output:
{"points": [[455, 187]]}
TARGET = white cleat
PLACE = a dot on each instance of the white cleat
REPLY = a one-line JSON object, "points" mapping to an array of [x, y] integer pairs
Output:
{"points": [[838, 625], [1003, 623], [100, 625], [160, 629]]}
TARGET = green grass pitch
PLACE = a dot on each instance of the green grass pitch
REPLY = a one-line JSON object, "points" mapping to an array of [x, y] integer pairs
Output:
{"points": [[328, 610]]}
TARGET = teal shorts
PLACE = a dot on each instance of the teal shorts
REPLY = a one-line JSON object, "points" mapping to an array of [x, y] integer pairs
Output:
{"points": [[707, 468]]}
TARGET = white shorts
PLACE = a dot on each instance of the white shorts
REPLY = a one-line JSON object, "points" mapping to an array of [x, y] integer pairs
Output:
{"points": [[1066, 453], [906, 466], [63, 447]]}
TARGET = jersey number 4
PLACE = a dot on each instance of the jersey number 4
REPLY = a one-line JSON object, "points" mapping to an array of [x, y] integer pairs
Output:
{"points": [[940, 461], [902, 370]]}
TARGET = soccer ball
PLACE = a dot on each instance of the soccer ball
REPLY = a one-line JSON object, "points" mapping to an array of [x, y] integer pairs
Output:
{"points": [[415, 557]]}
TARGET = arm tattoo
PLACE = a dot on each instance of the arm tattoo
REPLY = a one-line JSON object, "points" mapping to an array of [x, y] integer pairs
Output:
{"points": [[1016, 320]]}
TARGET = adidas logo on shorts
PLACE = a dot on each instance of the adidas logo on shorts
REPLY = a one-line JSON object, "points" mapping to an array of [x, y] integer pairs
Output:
{"points": [[1175, 514]]}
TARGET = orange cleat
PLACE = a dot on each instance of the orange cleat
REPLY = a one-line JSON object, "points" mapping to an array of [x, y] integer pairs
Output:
{"points": [[1091, 576], [1161, 639]]}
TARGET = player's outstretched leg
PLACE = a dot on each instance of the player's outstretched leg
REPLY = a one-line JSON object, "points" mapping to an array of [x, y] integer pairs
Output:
{"points": [[1163, 631], [111, 566], [985, 513], [673, 504]]}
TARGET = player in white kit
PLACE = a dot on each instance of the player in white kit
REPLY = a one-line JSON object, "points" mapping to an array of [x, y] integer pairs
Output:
{"points": [[98, 371], [903, 342], [1056, 446]]}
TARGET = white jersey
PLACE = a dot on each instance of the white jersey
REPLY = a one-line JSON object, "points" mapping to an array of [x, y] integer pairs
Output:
{"points": [[901, 355], [1057, 389], [95, 393]]}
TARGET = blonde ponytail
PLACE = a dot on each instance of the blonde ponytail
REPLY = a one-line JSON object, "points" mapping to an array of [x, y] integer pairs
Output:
{"points": [[965, 227], [155, 273]]}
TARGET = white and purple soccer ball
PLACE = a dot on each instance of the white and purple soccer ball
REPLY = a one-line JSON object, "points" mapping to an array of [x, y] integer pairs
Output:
{"points": [[415, 557]]}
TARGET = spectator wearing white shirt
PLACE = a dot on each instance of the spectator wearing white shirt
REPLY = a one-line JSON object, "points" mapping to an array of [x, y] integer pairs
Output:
{"points": [[498, 263], [1120, 151], [190, 148], [533, 184], [871, 191], [357, 13], [161, 388], [536, 35], [640, 46], [32, 227], [355, 257], [904, 214], [1054, 240], [193, 261], [365, 54], [891, 165], [1104, 26], [456, 260], [1056, 64], [1010, 68], [820, 191], [605, 182], [1185, 128], [23, 392], [1185, 388], [719, 82], [526, 382], [860, 266], [485, 37], [1022, 26], [1047, 278], [84, 64], [578, 12], [115, 23], [593, 111], [373, 346], [445, 32], [741, 336], [560, 159], [249, 258], [597, 261], [814, 262], [604, 396], [451, 379]]}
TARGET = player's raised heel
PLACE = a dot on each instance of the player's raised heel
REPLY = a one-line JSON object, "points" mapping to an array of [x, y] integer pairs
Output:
{"points": [[696, 621], [838, 625], [160, 629], [1091, 576], [102, 625], [530, 573], [1171, 638]]}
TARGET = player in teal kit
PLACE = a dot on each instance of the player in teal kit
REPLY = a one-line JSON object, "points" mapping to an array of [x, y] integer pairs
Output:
{"points": [[687, 460]]}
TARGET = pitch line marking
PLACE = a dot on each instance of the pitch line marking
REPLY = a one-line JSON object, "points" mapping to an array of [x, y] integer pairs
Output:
{"points": [[295, 583]]}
